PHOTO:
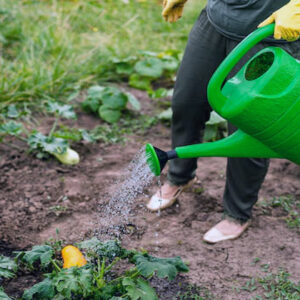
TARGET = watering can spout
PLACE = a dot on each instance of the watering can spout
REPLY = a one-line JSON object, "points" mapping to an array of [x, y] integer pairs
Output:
{"points": [[238, 144]]}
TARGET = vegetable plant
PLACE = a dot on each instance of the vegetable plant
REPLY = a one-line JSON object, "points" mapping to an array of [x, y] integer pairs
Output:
{"points": [[99, 276], [215, 127], [143, 71], [8, 269], [44, 145], [108, 102]]}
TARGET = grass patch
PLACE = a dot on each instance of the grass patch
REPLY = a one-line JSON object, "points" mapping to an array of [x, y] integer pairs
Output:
{"points": [[194, 292], [273, 286], [52, 48], [291, 207]]}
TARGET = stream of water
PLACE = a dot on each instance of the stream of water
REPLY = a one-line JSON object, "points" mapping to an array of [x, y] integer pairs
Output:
{"points": [[114, 217]]}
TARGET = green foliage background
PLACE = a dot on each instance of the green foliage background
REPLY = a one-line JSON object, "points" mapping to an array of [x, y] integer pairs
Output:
{"points": [[50, 48]]}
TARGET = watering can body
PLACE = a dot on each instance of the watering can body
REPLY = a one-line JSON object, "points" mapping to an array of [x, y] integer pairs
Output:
{"points": [[262, 100]]}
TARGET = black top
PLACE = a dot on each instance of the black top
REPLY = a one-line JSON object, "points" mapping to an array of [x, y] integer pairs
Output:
{"points": [[237, 18]]}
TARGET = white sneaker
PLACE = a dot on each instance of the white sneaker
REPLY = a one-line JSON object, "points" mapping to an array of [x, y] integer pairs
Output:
{"points": [[225, 230], [167, 195]]}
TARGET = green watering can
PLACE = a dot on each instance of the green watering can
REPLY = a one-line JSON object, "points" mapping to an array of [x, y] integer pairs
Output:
{"points": [[262, 100]]}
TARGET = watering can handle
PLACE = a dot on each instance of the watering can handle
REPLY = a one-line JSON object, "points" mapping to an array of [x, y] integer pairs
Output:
{"points": [[215, 96]]}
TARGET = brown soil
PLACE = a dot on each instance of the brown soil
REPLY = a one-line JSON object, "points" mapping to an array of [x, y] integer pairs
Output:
{"points": [[37, 197]]}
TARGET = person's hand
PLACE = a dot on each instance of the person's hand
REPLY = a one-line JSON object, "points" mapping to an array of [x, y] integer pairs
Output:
{"points": [[287, 21], [172, 10]]}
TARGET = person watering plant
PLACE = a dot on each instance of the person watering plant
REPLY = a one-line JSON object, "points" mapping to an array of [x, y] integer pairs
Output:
{"points": [[221, 25]]}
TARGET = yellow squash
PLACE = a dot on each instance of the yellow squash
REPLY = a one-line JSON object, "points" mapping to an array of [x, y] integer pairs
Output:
{"points": [[72, 257]]}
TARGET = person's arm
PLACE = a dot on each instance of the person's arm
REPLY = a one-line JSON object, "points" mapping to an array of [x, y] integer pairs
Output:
{"points": [[172, 10], [287, 21]]}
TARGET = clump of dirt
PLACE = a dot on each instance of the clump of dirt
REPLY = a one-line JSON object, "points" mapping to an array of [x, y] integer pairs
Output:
{"points": [[38, 197]]}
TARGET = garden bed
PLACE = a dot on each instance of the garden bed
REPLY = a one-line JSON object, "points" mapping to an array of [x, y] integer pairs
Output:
{"points": [[40, 197]]}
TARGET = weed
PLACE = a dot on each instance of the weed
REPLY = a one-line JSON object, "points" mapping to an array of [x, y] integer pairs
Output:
{"points": [[195, 293], [290, 205], [273, 286]]}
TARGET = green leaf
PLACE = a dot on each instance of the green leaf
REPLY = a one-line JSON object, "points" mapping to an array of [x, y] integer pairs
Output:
{"points": [[170, 63], [92, 244], [210, 133], [3, 295], [42, 253], [124, 68], [148, 53], [40, 142], [163, 267], [8, 267], [166, 115], [140, 82], [87, 136], [93, 100], [216, 119], [139, 289], [150, 67], [96, 91], [91, 104], [67, 133], [114, 99], [12, 111], [110, 249], [109, 115], [74, 281], [42, 291], [63, 110], [159, 93], [134, 102], [11, 128]]}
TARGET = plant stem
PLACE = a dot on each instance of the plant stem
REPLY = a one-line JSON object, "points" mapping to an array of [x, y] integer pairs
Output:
{"points": [[135, 274], [13, 146], [21, 138], [53, 127], [112, 264], [58, 269], [102, 269]]}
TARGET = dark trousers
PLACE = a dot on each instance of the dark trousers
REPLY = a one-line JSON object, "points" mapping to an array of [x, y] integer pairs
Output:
{"points": [[205, 50]]}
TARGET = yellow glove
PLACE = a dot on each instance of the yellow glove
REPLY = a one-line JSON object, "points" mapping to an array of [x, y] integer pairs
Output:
{"points": [[173, 10], [287, 21]]}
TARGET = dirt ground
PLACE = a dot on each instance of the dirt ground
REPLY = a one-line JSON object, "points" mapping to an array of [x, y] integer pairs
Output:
{"points": [[37, 197]]}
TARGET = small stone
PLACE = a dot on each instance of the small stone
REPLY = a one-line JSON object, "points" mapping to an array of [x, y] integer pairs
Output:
{"points": [[32, 209]]}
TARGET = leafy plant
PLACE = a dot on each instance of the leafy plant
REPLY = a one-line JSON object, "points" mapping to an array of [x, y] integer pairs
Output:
{"points": [[151, 67], [273, 286], [98, 279], [194, 292], [43, 291], [45, 145], [3, 295], [162, 267], [215, 128], [11, 128], [108, 102], [39, 143], [39, 253], [139, 289], [290, 205], [8, 267]]}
